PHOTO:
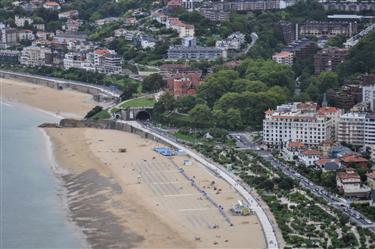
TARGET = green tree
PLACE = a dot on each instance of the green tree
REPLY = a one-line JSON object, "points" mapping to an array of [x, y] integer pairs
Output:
{"points": [[201, 115], [360, 59], [153, 82]]}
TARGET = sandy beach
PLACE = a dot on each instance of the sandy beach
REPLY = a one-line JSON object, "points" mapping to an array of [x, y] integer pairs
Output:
{"points": [[162, 211], [65, 103], [122, 194]]}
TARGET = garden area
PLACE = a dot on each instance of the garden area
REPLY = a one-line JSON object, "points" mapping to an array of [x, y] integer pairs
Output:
{"points": [[304, 220]]}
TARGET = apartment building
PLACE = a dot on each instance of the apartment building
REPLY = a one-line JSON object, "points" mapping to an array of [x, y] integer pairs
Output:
{"points": [[248, 5], [327, 29], [8, 37], [351, 6], [296, 122], [101, 60], [214, 15], [34, 56], [284, 57], [301, 49], [328, 59], [368, 96], [190, 51], [107, 61], [79, 60], [289, 31], [351, 128], [9, 57]]}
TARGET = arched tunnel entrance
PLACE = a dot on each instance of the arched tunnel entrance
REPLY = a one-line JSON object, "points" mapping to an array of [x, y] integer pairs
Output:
{"points": [[143, 116]]}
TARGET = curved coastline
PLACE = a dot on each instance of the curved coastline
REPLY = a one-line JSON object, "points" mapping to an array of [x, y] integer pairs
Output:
{"points": [[159, 225]]}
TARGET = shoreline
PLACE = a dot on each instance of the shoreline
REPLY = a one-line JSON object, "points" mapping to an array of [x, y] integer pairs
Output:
{"points": [[127, 213], [59, 173]]}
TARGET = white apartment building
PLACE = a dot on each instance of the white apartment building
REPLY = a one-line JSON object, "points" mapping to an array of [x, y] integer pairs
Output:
{"points": [[368, 96], [333, 113], [357, 129], [351, 128], [369, 134], [284, 57], [34, 56], [296, 122], [79, 60]]}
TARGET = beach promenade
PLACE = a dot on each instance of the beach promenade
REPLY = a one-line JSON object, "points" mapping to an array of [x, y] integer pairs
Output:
{"points": [[233, 180]]}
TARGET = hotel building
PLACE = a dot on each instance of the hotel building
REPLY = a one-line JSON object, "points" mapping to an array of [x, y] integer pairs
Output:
{"points": [[297, 122]]}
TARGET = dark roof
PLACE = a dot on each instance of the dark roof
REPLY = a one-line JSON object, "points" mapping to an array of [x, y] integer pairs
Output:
{"points": [[331, 166]]}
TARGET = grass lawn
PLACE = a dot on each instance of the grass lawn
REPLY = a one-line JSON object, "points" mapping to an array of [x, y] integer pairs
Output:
{"points": [[139, 102], [186, 137], [102, 115]]}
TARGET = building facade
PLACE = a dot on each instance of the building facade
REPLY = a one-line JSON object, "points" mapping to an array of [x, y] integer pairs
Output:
{"points": [[296, 122], [327, 29], [9, 57], [284, 57], [328, 59]]}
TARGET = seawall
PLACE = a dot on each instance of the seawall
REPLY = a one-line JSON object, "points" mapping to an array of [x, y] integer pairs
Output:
{"points": [[102, 124]]}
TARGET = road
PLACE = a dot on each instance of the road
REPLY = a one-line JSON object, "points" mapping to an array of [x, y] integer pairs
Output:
{"points": [[318, 191], [236, 182]]}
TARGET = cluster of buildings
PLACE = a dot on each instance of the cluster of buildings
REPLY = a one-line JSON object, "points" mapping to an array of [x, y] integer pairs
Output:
{"points": [[350, 96], [311, 135], [296, 50], [66, 48], [325, 59], [183, 29], [314, 136]]}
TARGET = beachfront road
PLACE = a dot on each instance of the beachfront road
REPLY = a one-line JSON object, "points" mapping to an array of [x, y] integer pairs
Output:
{"points": [[234, 181]]}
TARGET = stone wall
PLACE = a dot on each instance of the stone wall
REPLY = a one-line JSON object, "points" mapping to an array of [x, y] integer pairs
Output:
{"points": [[104, 124]]}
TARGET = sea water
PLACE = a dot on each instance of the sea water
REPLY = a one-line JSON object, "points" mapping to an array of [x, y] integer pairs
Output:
{"points": [[33, 213]]}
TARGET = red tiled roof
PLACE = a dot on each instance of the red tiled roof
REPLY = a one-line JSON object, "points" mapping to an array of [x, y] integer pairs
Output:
{"points": [[348, 174], [324, 110], [101, 51], [51, 4], [353, 159], [323, 161], [296, 144]]}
